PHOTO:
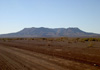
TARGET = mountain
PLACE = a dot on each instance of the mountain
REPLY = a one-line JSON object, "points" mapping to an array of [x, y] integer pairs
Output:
{"points": [[48, 32]]}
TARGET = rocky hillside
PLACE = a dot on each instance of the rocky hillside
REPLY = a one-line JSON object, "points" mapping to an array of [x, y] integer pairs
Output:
{"points": [[49, 32]]}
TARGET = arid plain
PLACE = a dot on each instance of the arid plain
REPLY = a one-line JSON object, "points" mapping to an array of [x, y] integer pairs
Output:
{"points": [[50, 53]]}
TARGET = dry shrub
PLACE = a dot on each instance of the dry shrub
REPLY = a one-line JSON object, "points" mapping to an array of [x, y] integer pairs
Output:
{"points": [[91, 45]]}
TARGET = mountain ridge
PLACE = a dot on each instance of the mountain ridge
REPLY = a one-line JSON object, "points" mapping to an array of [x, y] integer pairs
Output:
{"points": [[51, 32]]}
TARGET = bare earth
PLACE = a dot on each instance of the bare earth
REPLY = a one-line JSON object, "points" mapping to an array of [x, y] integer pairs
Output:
{"points": [[49, 55], [18, 59]]}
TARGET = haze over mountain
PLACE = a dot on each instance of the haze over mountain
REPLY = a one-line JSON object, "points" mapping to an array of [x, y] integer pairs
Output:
{"points": [[49, 32]]}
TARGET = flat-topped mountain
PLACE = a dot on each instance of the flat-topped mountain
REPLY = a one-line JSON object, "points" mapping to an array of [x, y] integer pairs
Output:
{"points": [[49, 32]]}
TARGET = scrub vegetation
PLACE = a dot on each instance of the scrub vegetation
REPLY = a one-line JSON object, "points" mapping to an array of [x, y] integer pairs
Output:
{"points": [[80, 53]]}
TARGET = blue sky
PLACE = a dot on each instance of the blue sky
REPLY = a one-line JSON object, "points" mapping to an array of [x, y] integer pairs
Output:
{"points": [[18, 14]]}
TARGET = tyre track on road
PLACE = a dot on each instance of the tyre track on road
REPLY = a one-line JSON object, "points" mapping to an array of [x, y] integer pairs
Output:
{"points": [[41, 64], [67, 64], [27, 60]]}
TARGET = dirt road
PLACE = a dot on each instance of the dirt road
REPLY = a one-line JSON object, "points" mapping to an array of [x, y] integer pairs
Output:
{"points": [[12, 58]]}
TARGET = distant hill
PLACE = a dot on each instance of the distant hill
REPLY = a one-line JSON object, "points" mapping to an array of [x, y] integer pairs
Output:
{"points": [[49, 32]]}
